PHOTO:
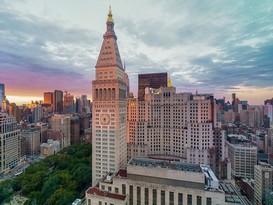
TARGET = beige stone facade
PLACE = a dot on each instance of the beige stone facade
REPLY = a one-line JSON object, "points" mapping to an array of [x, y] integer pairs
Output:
{"points": [[182, 126], [109, 92], [159, 182], [242, 157]]}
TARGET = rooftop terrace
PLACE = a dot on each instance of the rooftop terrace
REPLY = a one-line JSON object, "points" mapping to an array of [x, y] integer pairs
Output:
{"points": [[164, 164]]}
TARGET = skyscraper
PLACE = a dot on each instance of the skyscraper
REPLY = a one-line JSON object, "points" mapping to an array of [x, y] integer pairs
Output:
{"points": [[48, 98], [58, 101], [151, 80], [68, 103], [2, 94], [108, 108]]}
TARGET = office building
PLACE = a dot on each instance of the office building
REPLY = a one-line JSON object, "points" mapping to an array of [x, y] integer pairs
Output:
{"points": [[49, 98], [263, 181], [10, 143], [31, 142], [58, 101], [243, 158], [109, 148], [78, 105], [2, 94], [62, 123], [151, 80], [268, 196], [158, 182], [75, 130], [175, 126], [43, 128], [68, 106], [252, 117], [37, 113]]}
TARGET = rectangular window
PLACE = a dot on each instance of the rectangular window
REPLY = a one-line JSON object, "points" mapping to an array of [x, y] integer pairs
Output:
{"points": [[171, 198], [189, 199], [138, 195], [208, 201], [131, 193], [199, 200], [162, 197], [123, 189], [116, 190], [154, 197], [89, 201], [146, 196], [180, 199]]}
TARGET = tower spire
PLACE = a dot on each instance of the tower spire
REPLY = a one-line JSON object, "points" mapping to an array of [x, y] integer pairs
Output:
{"points": [[169, 82], [109, 54], [110, 16]]}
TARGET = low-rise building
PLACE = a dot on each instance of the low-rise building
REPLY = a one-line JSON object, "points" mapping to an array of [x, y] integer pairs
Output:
{"points": [[50, 148], [148, 181]]}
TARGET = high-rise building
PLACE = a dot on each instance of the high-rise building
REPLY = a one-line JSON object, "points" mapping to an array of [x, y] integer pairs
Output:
{"points": [[243, 158], [151, 80], [58, 101], [10, 143], [49, 98], [2, 94], [109, 148], [62, 123], [31, 141], [37, 113], [263, 180], [68, 103], [174, 126], [75, 130], [78, 105]]}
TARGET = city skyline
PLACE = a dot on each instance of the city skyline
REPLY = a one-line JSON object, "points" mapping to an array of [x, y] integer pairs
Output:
{"points": [[212, 47]]}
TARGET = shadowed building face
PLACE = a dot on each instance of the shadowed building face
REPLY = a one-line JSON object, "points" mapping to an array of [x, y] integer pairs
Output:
{"points": [[151, 80]]}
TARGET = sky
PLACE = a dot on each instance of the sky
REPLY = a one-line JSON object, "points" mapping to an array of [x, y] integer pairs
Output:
{"points": [[211, 46]]}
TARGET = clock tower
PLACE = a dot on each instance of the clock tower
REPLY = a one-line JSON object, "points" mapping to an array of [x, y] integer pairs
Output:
{"points": [[109, 90]]}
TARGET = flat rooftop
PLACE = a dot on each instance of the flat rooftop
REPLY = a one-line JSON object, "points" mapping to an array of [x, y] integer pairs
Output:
{"points": [[142, 162], [96, 191]]}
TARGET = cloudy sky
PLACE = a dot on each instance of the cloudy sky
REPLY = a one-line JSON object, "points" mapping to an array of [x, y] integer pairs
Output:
{"points": [[211, 46]]}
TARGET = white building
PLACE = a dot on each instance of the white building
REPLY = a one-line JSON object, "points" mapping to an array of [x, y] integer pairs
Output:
{"points": [[50, 148], [109, 148], [175, 126], [149, 181], [10, 142], [242, 157]]}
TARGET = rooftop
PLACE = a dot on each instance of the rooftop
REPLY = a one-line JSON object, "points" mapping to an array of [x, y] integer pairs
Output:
{"points": [[98, 192], [143, 162]]}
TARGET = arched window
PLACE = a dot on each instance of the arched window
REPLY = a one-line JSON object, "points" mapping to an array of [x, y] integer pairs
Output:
{"points": [[109, 94], [113, 93], [100, 94], [96, 94], [104, 93]]}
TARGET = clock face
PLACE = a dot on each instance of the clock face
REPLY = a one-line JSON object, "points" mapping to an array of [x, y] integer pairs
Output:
{"points": [[104, 119]]}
